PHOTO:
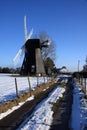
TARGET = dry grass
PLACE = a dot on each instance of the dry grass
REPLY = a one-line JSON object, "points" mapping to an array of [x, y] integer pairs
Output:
{"points": [[56, 105], [23, 97]]}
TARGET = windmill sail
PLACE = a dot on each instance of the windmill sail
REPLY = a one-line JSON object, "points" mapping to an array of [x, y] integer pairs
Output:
{"points": [[18, 55], [30, 34], [25, 28], [22, 50]]}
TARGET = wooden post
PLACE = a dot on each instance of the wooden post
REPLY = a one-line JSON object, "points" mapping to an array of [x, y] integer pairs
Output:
{"points": [[37, 81], [81, 80], [47, 79], [85, 86], [29, 85], [44, 80], [16, 87]]}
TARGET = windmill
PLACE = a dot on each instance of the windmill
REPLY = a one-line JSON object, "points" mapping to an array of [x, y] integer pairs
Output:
{"points": [[32, 63]]}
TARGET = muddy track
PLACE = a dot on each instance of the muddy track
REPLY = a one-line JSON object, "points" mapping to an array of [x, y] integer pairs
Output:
{"points": [[13, 120], [61, 117]]}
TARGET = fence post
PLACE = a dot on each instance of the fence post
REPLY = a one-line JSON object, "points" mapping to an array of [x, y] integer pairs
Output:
{"points": [[29, 85], [37, 80], [85, 85], [16, 87], [44, 80], [81, 80], [47, 79]]}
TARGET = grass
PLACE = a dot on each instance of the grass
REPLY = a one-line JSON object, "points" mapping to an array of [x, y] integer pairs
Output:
{"points": [[63, 84], [56, 105], [23, 97]]}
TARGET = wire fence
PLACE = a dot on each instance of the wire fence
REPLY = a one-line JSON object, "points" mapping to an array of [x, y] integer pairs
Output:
{"points": [[83, 82], [11, 87]]}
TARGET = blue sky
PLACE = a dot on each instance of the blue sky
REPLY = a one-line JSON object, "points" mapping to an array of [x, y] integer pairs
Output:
{"points": [[65, 21]]}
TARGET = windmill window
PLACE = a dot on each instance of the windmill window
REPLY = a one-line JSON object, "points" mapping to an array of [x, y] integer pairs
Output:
{"points": [[33, 68]]}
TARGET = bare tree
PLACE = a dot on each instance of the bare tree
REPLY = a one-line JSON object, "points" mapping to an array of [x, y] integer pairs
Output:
{"points": [[50, 50]]}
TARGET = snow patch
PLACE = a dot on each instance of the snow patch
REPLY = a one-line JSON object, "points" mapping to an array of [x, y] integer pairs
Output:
{"points": [[41, 118], [79, 109]]}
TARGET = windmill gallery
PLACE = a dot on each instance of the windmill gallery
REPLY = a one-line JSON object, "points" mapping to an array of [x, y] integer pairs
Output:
{"points": [[33, 62]]}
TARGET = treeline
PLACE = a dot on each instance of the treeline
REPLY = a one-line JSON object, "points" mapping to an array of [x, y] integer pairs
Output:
{"points": [[9, 70], [48, 64], [49, 71]]}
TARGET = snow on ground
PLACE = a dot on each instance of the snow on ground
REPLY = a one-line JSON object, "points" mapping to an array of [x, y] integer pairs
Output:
{"points": [[2, 115], [79, 109], [7, 85], [41, 118]]}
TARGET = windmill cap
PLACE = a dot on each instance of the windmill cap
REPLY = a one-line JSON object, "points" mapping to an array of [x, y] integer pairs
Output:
{"points": [[34, 43]]}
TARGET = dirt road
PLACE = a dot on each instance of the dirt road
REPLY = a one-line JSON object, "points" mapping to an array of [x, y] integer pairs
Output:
{"points": [[12, 121]]}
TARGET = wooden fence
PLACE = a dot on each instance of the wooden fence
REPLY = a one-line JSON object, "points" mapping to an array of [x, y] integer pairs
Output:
{"points": [[11, 87], [29, 83], [83, 82]]}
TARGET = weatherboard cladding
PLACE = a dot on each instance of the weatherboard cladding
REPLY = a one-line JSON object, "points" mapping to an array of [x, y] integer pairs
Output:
{"points": [[32, 63]]}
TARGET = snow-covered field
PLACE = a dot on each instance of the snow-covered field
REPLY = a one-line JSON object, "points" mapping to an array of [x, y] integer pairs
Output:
{"points": [[41, 118], [8, 89]]}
